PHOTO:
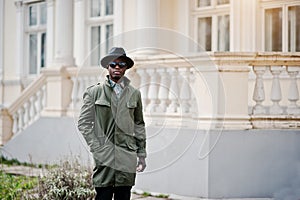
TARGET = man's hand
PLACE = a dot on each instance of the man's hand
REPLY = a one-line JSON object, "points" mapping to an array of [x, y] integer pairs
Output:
{"points": [[141, 164]]}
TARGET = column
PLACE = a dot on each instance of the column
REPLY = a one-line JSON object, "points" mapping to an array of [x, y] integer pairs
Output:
{"points": [[79, 29], [19, 38], [1, 49], [50, 32], [147, 17], [63, 55]]}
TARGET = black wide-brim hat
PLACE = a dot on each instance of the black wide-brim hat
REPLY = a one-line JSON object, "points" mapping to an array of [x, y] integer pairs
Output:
{"points": [[114, 53]]}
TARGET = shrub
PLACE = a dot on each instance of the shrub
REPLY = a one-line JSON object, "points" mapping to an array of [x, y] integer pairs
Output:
{"points": [[67, 182]]}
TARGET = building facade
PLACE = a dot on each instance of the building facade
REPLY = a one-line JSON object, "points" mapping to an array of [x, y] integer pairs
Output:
{"points": [[219, 80]]}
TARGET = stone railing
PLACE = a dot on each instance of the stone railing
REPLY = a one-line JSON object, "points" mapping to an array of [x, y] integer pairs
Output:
{"points": [[273, 91], [25, 109], [214, 90], [217, 90]]}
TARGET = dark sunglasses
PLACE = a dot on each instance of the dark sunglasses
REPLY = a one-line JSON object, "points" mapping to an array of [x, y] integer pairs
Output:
{"points": [[120, 64]]}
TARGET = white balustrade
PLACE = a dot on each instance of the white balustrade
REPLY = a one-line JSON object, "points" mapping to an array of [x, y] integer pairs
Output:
{"points": [[166, 88], [29, 110], [278, 75]]}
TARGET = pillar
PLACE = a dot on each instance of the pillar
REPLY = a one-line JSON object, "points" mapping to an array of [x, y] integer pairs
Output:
{"points": [[50, 32], [79, 29], [147, 17], [19, 37], [63, 55], [1, 49]]}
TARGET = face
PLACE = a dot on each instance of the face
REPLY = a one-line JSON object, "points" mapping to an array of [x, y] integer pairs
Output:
{"points": [[116, 69]]}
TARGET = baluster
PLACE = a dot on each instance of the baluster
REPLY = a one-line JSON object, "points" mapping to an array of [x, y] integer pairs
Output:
{"points": [[293, 96], [81, 87], [144, 85], [259, 91], [15, 123], [193, 101], [153, 90], [185, 92], [33, 100], [21, 118], [276, 96], [173, 92], [74, 97], [163, 90], [86, 82], [39, 101], [44, 96], [27, 118]]}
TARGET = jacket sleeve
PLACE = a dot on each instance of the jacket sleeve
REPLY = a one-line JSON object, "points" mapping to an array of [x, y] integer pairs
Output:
{"points": [[86, 121], [139, 128]]}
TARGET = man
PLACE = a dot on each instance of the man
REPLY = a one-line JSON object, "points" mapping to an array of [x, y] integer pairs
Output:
{"points": [[111, 121]]}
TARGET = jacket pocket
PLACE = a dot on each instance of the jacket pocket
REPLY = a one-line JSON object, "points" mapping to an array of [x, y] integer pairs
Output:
{"points": [[126, 140], [102, 109], [102, 102], [131, 104]]}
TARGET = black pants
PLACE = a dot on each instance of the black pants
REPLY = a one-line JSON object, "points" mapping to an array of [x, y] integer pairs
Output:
{"points": [[119, 193]]}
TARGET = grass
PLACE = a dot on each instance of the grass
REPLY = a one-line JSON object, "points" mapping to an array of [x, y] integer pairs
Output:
{"points": [[14, 187], [15, 162]]}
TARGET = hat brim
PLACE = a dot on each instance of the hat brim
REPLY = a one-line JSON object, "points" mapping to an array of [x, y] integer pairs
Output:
{"points": [[109, 58]]}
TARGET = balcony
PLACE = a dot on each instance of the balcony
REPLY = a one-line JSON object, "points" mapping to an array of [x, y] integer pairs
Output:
{"points": [[209, 91]]}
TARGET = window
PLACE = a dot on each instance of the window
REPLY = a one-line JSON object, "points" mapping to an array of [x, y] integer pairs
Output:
{"points": [[282, 27], [212, 24], [294, 28], [35, 33], [100, 23]]}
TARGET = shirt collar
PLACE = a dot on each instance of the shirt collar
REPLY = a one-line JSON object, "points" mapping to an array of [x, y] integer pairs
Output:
{"points": [[123, 82]]}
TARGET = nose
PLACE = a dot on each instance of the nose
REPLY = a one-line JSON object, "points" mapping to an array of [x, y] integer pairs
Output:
{"points": [[117, 66]]}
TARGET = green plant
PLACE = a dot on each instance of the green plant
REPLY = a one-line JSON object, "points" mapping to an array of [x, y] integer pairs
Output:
{"points": [[67, 182], [15, 187], [15, 162], [162, 196], [146, 194]]}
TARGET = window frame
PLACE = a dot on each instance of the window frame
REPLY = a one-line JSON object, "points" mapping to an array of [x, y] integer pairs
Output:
{"points": [[101, 21], [284, 5], [213, 11], [39, 30]]}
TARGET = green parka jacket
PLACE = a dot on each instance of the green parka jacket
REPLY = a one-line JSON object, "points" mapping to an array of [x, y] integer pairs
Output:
{"points": [[114, 130]]}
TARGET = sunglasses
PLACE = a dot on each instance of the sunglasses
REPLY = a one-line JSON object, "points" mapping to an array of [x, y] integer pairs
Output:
{"points": [[120, 64]]}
